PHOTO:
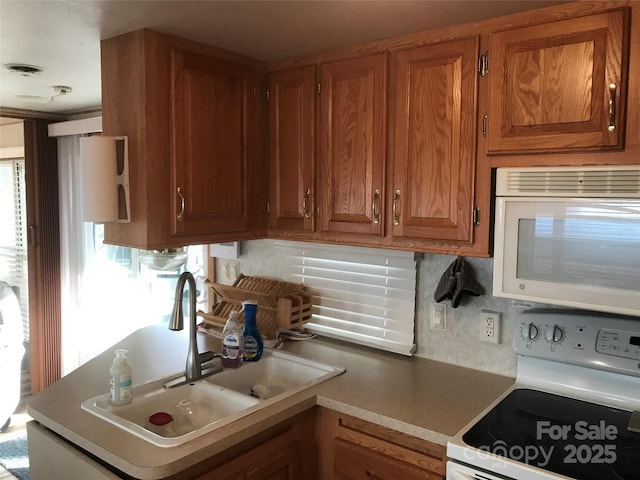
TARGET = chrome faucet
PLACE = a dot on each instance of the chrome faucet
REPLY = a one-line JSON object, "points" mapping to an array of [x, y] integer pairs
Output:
{"points": [[193, 370]]}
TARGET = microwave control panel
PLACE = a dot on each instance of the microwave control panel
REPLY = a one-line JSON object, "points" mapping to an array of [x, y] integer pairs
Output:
{"points": [[583, 338]]}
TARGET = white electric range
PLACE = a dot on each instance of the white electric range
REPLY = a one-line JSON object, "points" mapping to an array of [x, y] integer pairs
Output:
{"points": [[574, 410]]}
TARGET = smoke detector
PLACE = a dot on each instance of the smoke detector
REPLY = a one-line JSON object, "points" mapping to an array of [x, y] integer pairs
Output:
{"points": [[24, 69], [62, 89]]}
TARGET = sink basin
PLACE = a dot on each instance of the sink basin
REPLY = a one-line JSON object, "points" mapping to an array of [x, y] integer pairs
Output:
{"points": [[205, 405], [274, 374], [196, 408]]}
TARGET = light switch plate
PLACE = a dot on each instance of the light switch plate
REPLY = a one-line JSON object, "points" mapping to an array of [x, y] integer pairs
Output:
{"points": [[438, 317]]}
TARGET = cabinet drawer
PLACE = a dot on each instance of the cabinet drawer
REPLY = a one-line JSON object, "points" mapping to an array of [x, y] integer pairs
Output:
{"points": [[353, 462], [354, 449]]}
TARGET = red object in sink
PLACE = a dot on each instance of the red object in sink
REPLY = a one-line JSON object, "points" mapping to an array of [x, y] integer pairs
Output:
{"points": [[160, 418]]}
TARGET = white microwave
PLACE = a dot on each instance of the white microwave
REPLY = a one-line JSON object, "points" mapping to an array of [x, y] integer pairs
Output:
{"points": [[569, 236]]}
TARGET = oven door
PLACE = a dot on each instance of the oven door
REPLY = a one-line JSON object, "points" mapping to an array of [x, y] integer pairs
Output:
{"points": [[575, 252]]}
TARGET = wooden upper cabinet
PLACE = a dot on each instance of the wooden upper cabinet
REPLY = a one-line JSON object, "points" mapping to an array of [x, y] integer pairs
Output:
{"points": [[434, 147], [191, 117], [351, 157], [559, 86], [212, 154], [292, 99]]}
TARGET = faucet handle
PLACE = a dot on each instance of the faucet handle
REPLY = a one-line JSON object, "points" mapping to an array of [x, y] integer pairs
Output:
{"points": [[205, 357]]}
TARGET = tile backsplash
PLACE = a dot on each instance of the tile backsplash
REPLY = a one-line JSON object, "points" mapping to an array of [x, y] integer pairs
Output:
{"points": [[460, 344]]}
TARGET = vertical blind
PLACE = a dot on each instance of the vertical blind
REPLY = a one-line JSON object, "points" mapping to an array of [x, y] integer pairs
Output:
{"points": [[13, 233], [362, 295]]}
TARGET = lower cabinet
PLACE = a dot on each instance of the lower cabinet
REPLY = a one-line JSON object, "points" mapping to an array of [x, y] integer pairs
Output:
{"points": [[285, 451], [277, 459], [51, 457], [318, 444], [354, 449]]}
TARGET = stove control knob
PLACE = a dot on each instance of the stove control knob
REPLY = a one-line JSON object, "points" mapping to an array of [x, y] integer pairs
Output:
{"points": [[555, 334], [530, 332]]}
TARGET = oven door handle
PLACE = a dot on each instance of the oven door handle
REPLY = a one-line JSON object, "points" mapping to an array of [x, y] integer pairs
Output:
{"points": [[458, 475], [457, 472]]}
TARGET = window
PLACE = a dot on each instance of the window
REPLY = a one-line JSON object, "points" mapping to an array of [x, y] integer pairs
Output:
{"points": [[362, 295], [13, 234], [106, 290], [118, 294]]}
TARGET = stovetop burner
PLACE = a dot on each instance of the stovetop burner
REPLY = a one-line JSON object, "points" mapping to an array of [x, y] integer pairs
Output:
{"points": [[628, 463], [571, 437], [540, 405]]}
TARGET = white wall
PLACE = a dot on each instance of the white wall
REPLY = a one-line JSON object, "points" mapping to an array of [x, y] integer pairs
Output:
{"points": [[11, 139], [460, 344]]}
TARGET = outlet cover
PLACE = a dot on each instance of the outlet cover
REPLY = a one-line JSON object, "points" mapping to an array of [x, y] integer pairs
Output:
{"points": [[490, 326]]}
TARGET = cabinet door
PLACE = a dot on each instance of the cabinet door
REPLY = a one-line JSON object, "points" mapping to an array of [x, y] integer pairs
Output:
{"points": [[275, 460], [282, 465], [292, 97], [352, 149], [559, 86], [212, 144], [434, 152]]}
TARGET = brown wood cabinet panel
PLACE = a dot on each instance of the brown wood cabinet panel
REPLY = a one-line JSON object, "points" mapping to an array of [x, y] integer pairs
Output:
{"points": [[292, 99], [212, 115], [354, 449], [192, 120], [354, 462], [278, 459], [284, 452], [352, 145], [433, 160], [559, 86]]}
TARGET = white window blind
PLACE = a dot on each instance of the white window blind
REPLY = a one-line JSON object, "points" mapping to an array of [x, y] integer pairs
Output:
{"points": [[13, 232], [362, 295]]}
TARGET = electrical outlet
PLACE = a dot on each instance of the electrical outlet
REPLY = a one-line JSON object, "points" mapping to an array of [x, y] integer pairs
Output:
{"points": [[490, 323]]}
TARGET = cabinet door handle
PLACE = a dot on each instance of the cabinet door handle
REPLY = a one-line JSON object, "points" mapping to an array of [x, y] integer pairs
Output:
{"points": [[374, 206], [372, 475], [612, 106], [180, 216], [305, 199], [396, 201]]}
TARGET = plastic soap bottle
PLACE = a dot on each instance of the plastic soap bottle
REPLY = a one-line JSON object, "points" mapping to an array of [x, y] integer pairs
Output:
{"points": [[120, 379], [252, 340], [232, 342]]}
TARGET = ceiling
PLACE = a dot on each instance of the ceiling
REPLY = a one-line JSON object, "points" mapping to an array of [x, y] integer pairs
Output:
{"points": [[63, 36]]}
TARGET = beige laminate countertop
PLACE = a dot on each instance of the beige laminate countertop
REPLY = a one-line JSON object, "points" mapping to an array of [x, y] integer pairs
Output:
{"points": [[424, 398]]}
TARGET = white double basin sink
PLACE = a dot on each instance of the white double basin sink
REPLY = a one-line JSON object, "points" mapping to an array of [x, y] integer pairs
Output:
{"points": [[205, 405]]}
